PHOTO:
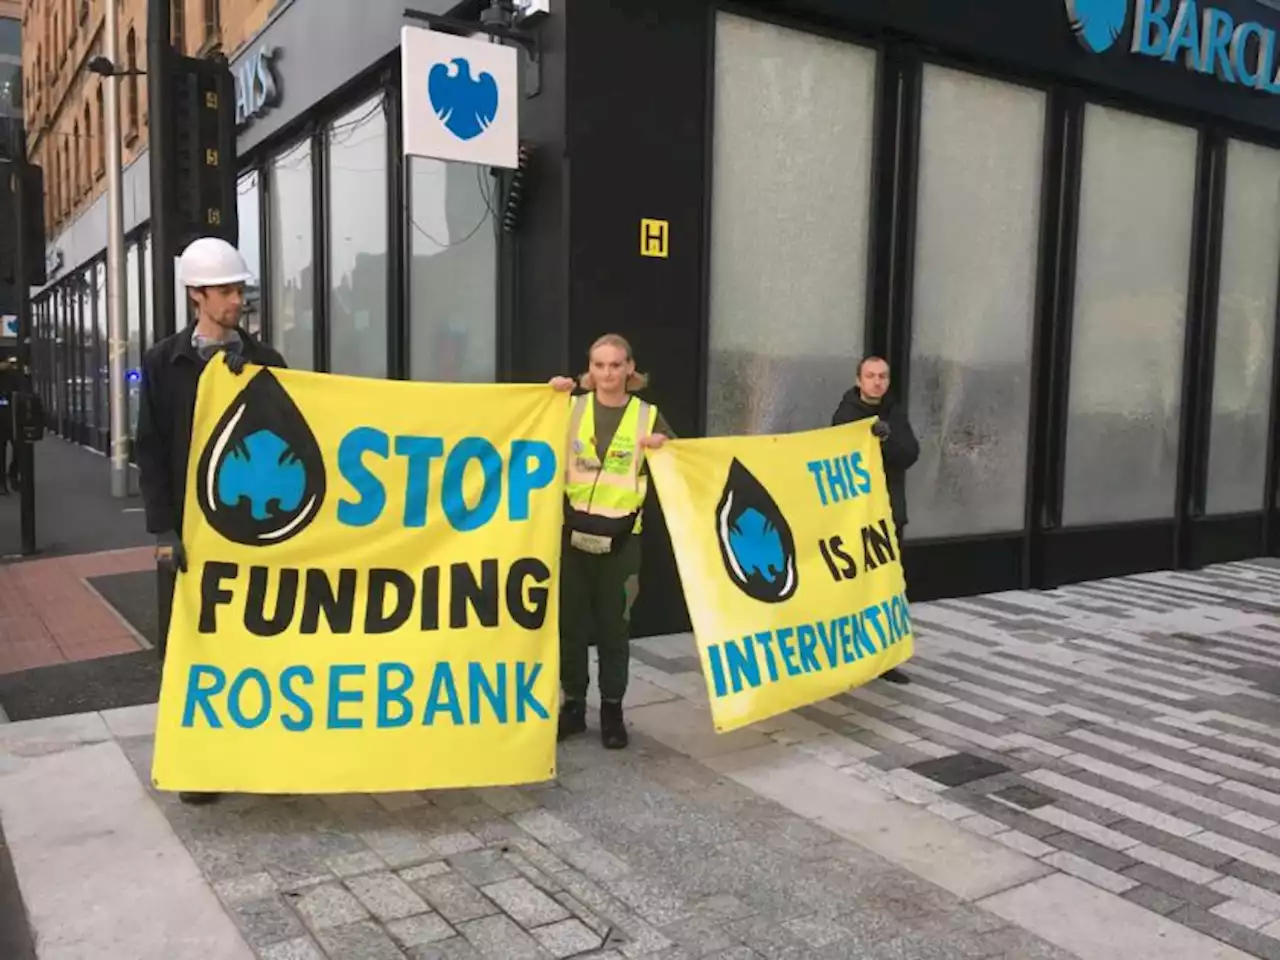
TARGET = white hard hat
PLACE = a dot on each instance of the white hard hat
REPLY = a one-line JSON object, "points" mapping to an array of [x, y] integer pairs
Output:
{"points": [[211, 262]]}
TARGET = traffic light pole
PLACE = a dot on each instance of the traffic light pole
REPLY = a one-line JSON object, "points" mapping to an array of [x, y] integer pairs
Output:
{"points": [[116, 277], [160, 148], [23, 448]]}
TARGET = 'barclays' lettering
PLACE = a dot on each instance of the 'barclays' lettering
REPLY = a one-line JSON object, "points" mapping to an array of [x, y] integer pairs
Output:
{"points": [[257, 90], [1207, 41], [1203, 38]]}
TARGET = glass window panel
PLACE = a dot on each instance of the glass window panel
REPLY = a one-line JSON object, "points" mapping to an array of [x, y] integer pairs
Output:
{"points": [[791, 186], [59, 360], [1136, 197], [76, 346], [453, 281], [60, 314], [89, 357], [249, 211], [1244, 351], [148, 296], [133, 336], [290, 269], [977, 234], [183, 308], [103, 378], [358, 241]]}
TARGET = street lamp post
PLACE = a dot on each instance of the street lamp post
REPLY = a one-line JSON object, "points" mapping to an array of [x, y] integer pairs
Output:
{"points": [[116, 277]]}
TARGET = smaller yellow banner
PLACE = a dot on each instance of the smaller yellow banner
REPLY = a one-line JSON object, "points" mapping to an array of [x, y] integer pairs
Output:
{"points": [[790, 563]]}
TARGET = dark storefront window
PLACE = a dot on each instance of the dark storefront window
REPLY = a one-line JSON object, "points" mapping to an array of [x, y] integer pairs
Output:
{"points": [[290, 267], [1244, 351], [64, 366], [357, 196], [249, 204], [790, 198], [75, 356], [89, 358], [453, 287], [1137, 193], [977, 232]]}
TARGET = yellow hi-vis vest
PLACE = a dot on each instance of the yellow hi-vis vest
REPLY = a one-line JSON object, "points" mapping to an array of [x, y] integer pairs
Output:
{"points": [[606, 498]]}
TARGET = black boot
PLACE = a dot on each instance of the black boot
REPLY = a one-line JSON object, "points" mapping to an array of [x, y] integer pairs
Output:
{"points": [[198, 799], [895, 676], [613, 731], [573, 719]]}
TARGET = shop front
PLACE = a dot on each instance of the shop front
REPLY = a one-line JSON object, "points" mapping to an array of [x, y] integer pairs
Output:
{"points": [[1059, 221], [366, 264], [1066, 240]]}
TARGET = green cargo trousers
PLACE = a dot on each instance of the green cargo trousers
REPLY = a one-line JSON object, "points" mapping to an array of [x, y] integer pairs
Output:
{"points": [[596, 594]]}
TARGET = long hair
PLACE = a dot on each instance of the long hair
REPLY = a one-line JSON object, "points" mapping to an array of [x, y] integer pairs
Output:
{"points": [[637, 380]]}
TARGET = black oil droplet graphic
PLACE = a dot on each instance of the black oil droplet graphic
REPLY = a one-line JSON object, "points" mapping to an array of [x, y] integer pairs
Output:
{"points": [[261, 477], [756, 542]]}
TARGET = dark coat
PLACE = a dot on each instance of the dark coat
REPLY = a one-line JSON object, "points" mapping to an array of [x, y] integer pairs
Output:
{"points": [[170, 375], [900, 448]]}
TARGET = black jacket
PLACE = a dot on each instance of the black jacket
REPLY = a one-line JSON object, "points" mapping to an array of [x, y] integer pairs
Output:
{"points": [[900, 448], [170, 374]]}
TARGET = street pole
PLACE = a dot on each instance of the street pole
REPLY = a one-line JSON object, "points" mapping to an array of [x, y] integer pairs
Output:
{"points": [[160, 151], [24, 449], [116, 278]]}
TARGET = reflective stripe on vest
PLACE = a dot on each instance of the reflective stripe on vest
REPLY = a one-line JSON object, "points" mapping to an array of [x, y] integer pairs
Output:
{"points": [[615, 487]]}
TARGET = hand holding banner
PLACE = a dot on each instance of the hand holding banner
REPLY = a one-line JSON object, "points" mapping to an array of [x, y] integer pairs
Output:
{"points": [[372, 595], [789, 559]]}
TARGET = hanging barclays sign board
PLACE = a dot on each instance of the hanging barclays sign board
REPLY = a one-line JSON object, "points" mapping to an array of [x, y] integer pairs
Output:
{"points": [[460, 98], [257, 87], [1202, 38]]}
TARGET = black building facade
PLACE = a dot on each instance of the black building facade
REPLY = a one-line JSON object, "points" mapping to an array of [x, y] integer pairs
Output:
{"points": [[1066, 242], [1070, 256]]}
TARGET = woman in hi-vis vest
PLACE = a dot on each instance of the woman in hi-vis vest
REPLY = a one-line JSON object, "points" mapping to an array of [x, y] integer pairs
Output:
{"points": [[605, 485]]}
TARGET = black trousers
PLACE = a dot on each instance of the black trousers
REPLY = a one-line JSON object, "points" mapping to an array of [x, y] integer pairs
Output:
{"points": [[166, 580]]}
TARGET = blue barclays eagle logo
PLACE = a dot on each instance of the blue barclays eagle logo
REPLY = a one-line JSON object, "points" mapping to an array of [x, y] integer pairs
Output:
{"points": [[1097, 23], [465, 105], [264, 471]]}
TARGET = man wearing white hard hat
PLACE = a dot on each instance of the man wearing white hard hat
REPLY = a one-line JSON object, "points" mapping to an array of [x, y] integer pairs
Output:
{"points": [[214, 274]]}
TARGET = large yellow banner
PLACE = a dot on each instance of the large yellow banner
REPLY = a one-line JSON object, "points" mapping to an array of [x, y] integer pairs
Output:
{"points": [[789, 559], [372, 587]]}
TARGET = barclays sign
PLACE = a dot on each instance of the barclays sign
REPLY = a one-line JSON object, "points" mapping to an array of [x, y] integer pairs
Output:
{"points": [[1204, 39], [257, 87]]}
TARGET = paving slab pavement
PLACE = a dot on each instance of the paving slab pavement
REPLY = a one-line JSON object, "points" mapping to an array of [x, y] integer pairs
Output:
{"points": [[643, 854], [1079, 773]]}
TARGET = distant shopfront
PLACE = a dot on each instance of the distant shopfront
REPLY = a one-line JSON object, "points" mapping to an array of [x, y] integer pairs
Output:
{"points": [[1067, 242], [345, 284]]}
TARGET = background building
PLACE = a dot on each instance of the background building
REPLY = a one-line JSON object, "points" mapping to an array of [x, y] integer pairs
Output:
{"points": [[1069, 251], [64, 121]]}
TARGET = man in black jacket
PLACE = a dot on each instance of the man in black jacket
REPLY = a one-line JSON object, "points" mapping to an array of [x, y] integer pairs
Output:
{"points": [[898, 444], [214, 274]]}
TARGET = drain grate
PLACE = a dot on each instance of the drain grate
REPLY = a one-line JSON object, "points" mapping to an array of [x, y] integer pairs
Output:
{"points": [[957, 769]]}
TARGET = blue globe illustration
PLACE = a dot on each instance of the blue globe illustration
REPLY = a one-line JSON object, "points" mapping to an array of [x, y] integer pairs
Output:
{"points": [[1097, 23]]}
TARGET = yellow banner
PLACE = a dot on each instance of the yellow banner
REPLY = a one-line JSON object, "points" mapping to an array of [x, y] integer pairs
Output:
{"points": [[789, 559], [371, 602]]}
